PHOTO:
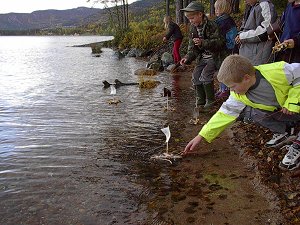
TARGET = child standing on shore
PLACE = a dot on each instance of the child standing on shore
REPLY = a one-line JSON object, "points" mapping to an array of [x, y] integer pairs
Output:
{"points": [[229, 30], [253, 37], [175, 34], [291, 33], [269, 94], [207, 46]]}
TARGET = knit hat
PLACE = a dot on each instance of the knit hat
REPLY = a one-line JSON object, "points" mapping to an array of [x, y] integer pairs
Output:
{"points": [[193, 7]]}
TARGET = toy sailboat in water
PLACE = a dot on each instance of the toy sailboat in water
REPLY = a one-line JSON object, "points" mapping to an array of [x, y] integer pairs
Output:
{"points": [[166, 156], [113, 92]]}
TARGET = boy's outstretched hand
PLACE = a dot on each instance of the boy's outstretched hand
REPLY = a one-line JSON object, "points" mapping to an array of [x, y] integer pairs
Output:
{"points": [[192, 145]]}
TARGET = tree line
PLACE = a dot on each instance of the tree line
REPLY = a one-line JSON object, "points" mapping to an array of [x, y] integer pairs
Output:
{"points": [[119, 18]]}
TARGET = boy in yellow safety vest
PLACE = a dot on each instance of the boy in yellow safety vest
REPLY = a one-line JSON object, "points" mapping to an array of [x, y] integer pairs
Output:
{"points": [[268, 95]]}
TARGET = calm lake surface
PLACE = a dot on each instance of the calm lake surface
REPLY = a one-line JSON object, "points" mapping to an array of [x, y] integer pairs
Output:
{"points": [[66, 155]]}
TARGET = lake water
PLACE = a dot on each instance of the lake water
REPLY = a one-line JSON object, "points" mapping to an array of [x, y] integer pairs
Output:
{"points": [[66, 155]]}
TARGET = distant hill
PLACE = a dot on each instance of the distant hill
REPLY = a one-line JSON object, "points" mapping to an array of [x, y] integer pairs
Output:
{"points": [[46, 18], [63, 18]]}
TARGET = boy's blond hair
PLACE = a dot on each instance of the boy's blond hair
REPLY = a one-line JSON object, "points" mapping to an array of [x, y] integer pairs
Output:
{"points": [[223, 6], [234, 68]]}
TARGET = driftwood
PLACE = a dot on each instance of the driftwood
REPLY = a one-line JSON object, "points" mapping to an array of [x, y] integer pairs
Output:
{"points": [[117, 83]]}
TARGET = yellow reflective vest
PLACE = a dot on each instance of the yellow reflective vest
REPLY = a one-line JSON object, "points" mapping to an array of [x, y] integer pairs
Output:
{"points": [[285, 80]]}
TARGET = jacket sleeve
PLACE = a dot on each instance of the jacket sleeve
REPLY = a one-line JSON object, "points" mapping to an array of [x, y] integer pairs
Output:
{"points": [[245, 16], [170, 31], [292, 72], [214, 41], [225, 116], [230, 38], [263, 18], [193, 50]]}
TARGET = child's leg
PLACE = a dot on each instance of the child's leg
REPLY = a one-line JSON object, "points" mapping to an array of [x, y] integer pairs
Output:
{"points": [[176, 52], [206, 78], [279, 123], [210, 94], [199, 89], [200, 95], [282, 125]]}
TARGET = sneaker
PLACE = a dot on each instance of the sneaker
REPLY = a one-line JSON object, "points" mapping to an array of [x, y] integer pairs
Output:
{"points": [[278, 140], [291, 159]]}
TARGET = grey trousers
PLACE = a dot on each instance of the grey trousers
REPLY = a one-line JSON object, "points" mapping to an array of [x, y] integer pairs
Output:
{"points": [[277, 122], [204, 72]]}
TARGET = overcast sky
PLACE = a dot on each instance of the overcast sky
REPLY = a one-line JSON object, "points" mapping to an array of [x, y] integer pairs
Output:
{"points": [[28, 6]]}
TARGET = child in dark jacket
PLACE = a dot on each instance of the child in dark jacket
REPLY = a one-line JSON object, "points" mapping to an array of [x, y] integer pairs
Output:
{"points": [[175, 34], [229, 30], [291, 33], [207, 47]]}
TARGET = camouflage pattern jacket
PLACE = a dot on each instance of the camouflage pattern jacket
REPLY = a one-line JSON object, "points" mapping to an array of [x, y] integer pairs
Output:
{"points": [[212, 42]]}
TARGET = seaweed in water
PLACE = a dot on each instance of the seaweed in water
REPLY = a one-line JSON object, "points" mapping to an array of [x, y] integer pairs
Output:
{"points": [[148, 84]]}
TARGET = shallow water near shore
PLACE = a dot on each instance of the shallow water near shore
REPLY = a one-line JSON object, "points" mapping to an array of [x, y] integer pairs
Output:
{"points": [[69, 157], [65, 153]]}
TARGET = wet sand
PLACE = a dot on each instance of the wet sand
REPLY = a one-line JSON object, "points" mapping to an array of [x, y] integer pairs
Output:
{"points": [[213, 186]]}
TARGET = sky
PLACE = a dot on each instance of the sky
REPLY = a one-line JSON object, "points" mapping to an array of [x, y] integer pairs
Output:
{"points": [[28, 6]]}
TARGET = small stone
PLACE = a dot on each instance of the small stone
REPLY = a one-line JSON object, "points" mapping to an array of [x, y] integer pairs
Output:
{"points": [[189, 210], [222, 196], [190, 220]]}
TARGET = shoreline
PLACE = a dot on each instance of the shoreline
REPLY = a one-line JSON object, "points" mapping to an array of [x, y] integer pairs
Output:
{"points": [[224, 182]]}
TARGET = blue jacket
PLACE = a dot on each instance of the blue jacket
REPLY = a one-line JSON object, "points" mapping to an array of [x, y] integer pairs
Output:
{"points": [[291, 30], [229, 30]]}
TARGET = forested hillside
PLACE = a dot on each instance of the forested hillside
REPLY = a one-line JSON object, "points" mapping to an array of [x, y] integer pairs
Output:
{"points": [[71, 18], [136, 24]]}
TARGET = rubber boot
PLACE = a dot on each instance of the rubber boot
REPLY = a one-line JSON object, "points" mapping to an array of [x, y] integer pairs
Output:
{"points": [[210, 95], [200, 95], [200, 102]]}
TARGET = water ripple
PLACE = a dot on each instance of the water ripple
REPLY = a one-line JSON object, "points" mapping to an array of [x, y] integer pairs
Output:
{"points": [[61, 143]]}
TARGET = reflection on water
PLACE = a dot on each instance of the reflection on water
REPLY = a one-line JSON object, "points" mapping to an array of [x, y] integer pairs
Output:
{"points": [[66, 155]]}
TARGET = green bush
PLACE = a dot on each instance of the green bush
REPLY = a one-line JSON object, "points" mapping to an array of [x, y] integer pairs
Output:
{"points": [[96, 48], [147, 30], [140, 35]]}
